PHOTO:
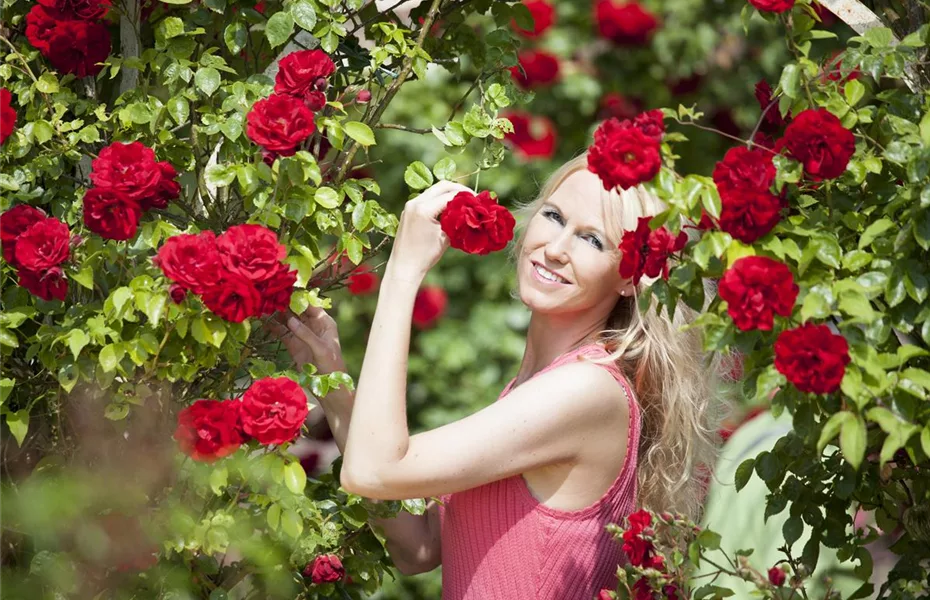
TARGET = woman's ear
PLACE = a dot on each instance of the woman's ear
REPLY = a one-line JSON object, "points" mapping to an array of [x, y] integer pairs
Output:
{"points": [[625, 288]]}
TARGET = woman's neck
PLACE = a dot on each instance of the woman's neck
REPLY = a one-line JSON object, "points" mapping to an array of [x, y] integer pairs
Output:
{"points": [[548, 338]]}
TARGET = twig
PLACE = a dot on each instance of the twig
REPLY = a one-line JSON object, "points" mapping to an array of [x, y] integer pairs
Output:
{"points": [[402, 128]]}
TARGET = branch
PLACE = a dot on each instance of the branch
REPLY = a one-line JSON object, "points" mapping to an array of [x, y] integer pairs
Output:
{"points": [[129, 43], [401, 128]]}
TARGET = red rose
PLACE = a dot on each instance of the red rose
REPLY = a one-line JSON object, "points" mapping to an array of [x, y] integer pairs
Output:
{"points": [[191, 260], [775, 6], [623, 156], [40, 22], [78, 47], [7, 115], [325, 569], [477, 224], [756, 288], [833, 70], [626, 24], [13, 222], [429, 306], [651, 123], [315, 100], [639, 521], [43, 245], [132, 171], [299, 71], [110, 214], [273, 410], [251, 251], [742, 169], [812, 357], [362, 283], [209, 429], [85, 10], [276, 291], [537, 68], [279, 123], [646, 252], [614, 104], [50, 284], [819, 141], [233, 298], [749, 214], [638, 551], [776, 577], [177, 292], [533, 136], [642, 590], [772, 121], [363, 97], [543, 17]]}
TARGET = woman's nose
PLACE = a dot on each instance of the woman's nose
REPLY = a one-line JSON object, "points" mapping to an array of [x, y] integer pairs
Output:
{"points": [[558, 247]]}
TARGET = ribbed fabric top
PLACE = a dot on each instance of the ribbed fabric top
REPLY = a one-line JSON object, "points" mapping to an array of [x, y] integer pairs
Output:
{"points": [[501, 543]]}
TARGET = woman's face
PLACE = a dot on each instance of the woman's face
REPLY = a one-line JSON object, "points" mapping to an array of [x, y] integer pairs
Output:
{"points": [[566, 240]]}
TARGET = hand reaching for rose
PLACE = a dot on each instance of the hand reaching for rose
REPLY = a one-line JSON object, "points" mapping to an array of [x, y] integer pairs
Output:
{"points": [[312, 338]]}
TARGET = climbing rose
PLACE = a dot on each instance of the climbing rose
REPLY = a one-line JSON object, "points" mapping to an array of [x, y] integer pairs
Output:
{"points": [[40, 23], [744, 169], [279, 123], [477, 224], [132, 171], [645, 252], [362, 282], [776, 577], [13, 222], [78, 47], [812, 357], [251, 251], [276, 291], [325, 568], [273, 410], [533, 136], [623, 156], [775, 6], [190, 260], [43, 245], [756, 288], [299, 72], [111, 214], [819, 141], [749, 214], [50, 284], [536, 69], [543, 18], [773, 120], [429, 306], [209, 429], [7, 115], [234, 298], [833, 70], [624, 23]]}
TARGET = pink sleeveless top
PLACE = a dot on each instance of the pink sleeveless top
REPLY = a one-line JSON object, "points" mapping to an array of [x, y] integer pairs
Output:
{"points": [[501, 543]]}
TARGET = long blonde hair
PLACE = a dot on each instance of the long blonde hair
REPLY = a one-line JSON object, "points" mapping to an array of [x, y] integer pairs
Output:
{"points": [[674, 380]]}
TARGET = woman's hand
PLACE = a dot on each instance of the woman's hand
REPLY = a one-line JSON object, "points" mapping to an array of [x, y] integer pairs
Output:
{"points": [[420, 241], [312, 338]]}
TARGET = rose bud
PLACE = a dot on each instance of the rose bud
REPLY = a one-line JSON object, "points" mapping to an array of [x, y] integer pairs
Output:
{"points": [[776, 577], [316, 101], [177, 293], [320, 84], [363, 97]]}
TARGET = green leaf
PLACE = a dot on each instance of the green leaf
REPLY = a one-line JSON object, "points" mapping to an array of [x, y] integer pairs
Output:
{"points": [[110, 355], [18, 422], [207, 80], [925, 440], [790, 81], [327, 197], [6, 386], [418, 176], [304, 14], [170, 27], [236, 37], [832, 427], [279, 28], [360, 132], [879, 37], [444, 168], [218, 479], [179, 109], [291, 524], [116, 411], [353, 246], [792, 529], [220, 175], [295, 478], [873, 231], [853, 441], [77, 339], [177, 1], [709, 539], [854, 90], [47, 83], [744, 473], [273, 516]]}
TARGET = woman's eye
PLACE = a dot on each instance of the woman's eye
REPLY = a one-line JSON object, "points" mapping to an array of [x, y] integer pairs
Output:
{"points": [[554, 216], [595, 242]]}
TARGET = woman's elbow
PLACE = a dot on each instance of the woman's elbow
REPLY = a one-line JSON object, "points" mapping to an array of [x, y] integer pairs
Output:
{"points": [[415, 567], [365, 483]]}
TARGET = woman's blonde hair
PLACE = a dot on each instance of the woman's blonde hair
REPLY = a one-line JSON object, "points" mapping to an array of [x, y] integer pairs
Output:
{"points": [[674, 380]]}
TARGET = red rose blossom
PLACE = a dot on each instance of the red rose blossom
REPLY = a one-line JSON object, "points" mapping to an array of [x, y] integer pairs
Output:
{"points": [[645, 252], [50, 284], [251, 251], [604, 594], [827, 18], [7, 115], [13, 222], [536, 69], [624, 23], [84, 10], [191, 260], [819, 141], [177, 293], [40, 22], [749, 214], [775, 6], [111, 214], [772, 121], [209, 429], [78, 47], [623, 156], [280, 123], [429, 306], [642, 590], [276, 291], [812, 357], [616, 105], [651, 123], [543, 18], [477, 224], [533, 136], [167, 190], [43, 245], [299, 71], [325, 568], [273, 410], [363, 282], [233, 298], [833, 70], [756, 288], [742, 169], [132, 171], [776, 577]]}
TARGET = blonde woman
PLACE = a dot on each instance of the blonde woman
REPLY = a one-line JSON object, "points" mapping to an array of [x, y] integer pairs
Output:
{"points": [[607, 413]]}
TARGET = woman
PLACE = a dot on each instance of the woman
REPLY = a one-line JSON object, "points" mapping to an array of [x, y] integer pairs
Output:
{"points": [[607, 413]]}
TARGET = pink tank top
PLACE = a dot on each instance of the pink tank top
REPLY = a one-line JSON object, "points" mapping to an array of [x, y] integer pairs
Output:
{"points": [[501, 543]]}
